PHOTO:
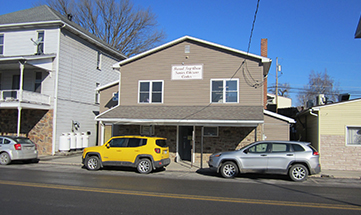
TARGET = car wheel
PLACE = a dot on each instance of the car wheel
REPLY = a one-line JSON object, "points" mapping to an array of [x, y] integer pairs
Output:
{"points": [[144, 166], [298, 172], [4, 158], [92, 163], [229, 169]]}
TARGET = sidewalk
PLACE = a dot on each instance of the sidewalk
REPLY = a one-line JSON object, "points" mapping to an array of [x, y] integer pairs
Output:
{"points": [[74, 159]]}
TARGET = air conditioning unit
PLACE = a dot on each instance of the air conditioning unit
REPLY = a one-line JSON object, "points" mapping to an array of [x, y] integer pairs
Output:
{"points": [[321, 99]]}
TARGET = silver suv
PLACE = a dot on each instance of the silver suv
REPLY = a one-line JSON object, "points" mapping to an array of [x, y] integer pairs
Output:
{"points": [[297, 159]]}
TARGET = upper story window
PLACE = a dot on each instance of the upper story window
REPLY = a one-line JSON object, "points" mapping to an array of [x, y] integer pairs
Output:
{"points": [[40, 43], [150, 92], [1, 44], [353, 135], [224, 90], [99, 60], [97, 93], [38, 79]]}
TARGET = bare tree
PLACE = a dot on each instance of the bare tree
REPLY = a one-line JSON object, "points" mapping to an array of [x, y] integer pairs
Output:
{"points": [[129, 30], [283, 90], [319, 83]]}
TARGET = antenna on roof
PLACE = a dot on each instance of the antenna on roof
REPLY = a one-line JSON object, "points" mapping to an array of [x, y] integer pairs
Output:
{"points": [[70, 17]]}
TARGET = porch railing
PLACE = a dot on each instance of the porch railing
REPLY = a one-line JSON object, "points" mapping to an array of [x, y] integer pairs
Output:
{"points": [[27, 96]]}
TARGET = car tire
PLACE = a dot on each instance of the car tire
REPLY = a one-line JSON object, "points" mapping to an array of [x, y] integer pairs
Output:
{"points": [[229, 169], [92, 163], [298, 173], [5, 158], [144, 166]]}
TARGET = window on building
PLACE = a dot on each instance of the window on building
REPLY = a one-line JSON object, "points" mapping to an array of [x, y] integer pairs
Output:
{"points": [[210, 131], [150, 92], [353, 135], [38, 79], [40, 43], [99, 60], [1, 44], [224, 91], [147, 130], [97, 94], [0, 81]]}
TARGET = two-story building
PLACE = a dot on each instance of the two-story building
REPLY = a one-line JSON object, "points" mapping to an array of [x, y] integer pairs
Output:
{"points": [[202, 96], [50, 68]]}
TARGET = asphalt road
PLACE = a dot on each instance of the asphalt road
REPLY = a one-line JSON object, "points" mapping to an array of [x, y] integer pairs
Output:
{"points": [[54, 189]]}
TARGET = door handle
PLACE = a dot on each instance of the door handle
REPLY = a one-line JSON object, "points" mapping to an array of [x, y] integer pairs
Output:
{"points": [[119, 150], [289, 154], [263, 155]]}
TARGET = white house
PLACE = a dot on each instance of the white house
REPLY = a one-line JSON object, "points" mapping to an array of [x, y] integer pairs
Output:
{"points": [[50, 68]]}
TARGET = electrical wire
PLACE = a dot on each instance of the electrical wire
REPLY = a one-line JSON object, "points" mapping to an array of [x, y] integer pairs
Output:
{"points": [[244, 62]]}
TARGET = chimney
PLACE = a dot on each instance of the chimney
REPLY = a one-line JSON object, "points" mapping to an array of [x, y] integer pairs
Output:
{"points": [[264, 50]]}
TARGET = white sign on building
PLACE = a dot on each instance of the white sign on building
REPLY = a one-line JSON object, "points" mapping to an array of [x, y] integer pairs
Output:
{"points": [[187, 72]]}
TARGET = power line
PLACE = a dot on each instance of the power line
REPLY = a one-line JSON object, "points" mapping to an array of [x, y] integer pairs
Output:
{"points": [[243, 62]]}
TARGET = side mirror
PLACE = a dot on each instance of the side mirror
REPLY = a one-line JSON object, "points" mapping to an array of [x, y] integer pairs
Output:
{"points": [[246, 151], [107, 145]]}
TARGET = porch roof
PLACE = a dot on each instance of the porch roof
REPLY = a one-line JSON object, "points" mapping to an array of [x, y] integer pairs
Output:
{"points": [[41, 61], [246, 116]]}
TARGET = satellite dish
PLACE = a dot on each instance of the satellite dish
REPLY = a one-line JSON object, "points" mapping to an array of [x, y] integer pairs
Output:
{"points": [[36, 43]]}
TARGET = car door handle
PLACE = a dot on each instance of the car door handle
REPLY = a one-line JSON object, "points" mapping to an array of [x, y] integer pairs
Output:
{"points": [[263, 155], [119, 150], [289, 154]]}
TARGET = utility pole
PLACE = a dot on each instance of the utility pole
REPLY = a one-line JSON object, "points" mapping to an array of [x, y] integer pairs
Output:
{"points": [[278, 68]]}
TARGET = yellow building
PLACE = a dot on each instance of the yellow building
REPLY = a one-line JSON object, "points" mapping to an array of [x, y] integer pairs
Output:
{"points": [[335, 131]]}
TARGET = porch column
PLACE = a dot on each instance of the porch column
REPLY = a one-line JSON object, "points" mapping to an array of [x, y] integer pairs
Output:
{"points": [[19, 121], [21, 85]]}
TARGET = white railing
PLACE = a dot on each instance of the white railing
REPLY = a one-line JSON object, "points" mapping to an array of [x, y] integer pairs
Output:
{"points": [[27, 96]]}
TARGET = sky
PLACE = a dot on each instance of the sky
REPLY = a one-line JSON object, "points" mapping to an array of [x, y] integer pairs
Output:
{"points": [[305, 35]]}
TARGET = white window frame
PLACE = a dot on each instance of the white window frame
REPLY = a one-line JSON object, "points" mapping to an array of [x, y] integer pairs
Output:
{"points": [[97, 93], [224, 91], [99, 60], [150, 91], [42, 42], [347, 135], [210, 135]]}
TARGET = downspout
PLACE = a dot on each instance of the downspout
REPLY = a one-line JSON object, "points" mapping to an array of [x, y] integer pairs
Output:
{"points": [[55, 104], [20, 96]]}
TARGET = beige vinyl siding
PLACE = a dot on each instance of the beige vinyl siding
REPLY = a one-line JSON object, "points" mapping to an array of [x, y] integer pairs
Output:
{"points": [[334, 118], [106, 97], [217, 64], [275, 129]]}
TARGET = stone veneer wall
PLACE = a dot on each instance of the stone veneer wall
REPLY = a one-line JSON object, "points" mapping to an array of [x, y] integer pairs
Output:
{"points": [[37, 125], [336, 155], [229, 138]]}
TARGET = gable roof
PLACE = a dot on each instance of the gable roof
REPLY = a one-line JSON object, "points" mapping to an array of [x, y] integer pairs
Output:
{"points": [[266, 61], [46, 16]]}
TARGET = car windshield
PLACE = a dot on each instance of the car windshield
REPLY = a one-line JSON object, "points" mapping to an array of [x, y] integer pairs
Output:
{"points": [[23, 141]]}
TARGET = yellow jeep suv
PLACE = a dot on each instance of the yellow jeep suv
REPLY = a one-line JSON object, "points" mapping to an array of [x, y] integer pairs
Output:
{"points": [[143, 152]]}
